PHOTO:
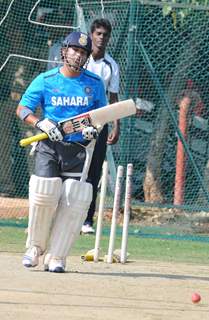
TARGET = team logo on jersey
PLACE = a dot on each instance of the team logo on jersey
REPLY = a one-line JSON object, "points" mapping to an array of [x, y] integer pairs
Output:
{"points": [[56, 90], [83, 39], [87, 90]]}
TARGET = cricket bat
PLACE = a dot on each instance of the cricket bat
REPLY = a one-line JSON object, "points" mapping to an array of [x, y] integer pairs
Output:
{"points": [[95, 118]]}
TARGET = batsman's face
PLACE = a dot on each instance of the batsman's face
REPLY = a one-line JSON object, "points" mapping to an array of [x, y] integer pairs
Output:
{"points": [[75, 57], [100, 38]]}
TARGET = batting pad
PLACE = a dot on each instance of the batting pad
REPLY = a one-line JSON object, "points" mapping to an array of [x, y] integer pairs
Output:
{"points": [[44, 194], [70, 216]]}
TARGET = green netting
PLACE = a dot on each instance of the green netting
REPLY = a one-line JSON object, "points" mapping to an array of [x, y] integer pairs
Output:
{"points": [[163, 54]]}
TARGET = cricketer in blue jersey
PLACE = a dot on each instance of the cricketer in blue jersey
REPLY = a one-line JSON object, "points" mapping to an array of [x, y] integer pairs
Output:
{"points": [[59, 196], [62, 97]]}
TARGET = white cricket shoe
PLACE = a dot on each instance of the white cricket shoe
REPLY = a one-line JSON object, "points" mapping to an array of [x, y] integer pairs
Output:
{"points": [[87, 229], [57, 264], [31, 257]]}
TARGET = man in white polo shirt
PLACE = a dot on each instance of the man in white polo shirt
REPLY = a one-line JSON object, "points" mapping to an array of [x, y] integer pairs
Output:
{"points": [[102, 64]]}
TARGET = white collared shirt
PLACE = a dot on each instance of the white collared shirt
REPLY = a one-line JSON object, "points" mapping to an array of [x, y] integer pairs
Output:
{"points": [[108, 70]]}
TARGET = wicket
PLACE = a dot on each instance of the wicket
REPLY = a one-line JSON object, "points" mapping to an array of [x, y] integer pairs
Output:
{"points": [[116, 207], [127, 211], [101, 211]]}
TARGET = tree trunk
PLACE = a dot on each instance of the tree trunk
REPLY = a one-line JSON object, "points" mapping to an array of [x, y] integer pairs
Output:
{"points": [[152, 184]]}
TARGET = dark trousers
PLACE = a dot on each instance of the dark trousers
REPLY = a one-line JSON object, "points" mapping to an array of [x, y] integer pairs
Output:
{"points": [[95, 170], [55, 158]]}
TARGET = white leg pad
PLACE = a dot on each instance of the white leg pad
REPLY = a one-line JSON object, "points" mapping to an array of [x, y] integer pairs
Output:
{"points": [[44, 195], [70, 216]]}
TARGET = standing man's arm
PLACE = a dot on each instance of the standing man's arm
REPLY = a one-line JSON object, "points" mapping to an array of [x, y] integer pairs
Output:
{"points": [[115, 132]]}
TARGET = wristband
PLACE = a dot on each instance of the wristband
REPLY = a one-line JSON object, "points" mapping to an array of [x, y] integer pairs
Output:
{"points": [[24, 113]]}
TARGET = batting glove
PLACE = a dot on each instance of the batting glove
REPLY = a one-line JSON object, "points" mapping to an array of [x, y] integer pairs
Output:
{"points": [[50, 128], [89, 133]]}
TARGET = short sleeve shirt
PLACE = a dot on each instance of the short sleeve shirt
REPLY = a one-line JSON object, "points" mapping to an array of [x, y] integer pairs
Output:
{"points": [[108, 70], [62, 97]]}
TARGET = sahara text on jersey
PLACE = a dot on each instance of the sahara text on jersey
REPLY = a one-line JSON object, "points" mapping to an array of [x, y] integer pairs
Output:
{"points": [[69, 101]]}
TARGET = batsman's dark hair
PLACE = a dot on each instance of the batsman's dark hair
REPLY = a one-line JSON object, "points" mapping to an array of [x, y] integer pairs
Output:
{"points": [[97, 23]]}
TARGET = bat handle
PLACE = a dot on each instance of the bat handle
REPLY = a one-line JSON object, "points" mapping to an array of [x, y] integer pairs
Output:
{"points": [[25, 142]]}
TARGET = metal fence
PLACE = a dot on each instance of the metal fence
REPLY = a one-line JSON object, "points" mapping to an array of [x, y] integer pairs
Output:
{"points": [[163, 54]]}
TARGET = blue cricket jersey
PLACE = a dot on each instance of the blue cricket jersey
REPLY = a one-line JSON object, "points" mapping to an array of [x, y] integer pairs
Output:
{"points": [[61, 97]]}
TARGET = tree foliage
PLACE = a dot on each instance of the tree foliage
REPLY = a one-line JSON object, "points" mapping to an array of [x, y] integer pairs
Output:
{"points": [[180, 9]]}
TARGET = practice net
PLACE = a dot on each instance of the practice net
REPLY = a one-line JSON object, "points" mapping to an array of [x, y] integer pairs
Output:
{"points": [[163, 55]]}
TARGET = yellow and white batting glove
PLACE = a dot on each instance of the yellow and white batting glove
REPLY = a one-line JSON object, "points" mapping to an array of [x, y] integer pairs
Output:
{"points": [[50, 128]]}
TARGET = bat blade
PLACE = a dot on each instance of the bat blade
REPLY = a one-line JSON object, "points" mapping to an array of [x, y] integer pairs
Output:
{"points": [[99, 117], [112, 112], [96, 118]]}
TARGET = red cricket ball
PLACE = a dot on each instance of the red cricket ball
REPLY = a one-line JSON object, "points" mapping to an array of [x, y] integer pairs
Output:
{"points": [[196, 297]]}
